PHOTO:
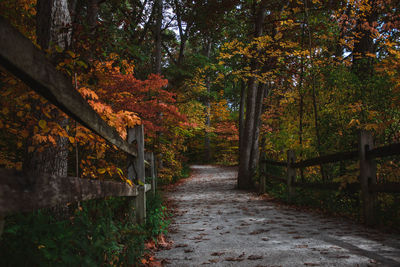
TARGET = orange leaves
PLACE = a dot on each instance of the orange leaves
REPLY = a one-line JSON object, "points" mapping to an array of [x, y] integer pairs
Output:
{"points": [[88, 93]]}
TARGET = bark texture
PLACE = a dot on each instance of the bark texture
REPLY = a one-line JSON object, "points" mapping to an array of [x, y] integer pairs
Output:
{"points": [[207, 146], [250, 125], [53, 30], [157, 35]]}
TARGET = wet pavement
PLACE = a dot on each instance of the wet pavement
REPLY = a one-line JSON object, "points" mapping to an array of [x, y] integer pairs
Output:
{"points": [[214, 224]]}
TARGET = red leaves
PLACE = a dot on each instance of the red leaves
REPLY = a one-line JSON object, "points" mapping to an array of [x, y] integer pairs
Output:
{"points": [[148, 259], [148, 98]]}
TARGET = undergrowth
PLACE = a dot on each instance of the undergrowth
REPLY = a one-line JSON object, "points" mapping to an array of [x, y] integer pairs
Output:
{"points": [[95, 233], [337, 202]]}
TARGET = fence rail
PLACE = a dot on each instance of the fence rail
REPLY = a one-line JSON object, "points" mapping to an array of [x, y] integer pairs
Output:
{"points": [[331, 158], [384, 151], [22, 192], [19, 56], [366, 155]]}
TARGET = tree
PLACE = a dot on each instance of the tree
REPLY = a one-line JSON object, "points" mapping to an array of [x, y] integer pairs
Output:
{"points": [[53, 33]]}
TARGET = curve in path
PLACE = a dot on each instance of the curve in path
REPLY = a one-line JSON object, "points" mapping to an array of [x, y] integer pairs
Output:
{"points": [[215, 224]]}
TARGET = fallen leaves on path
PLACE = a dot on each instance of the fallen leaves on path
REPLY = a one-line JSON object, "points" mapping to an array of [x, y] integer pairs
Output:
{"points": [[254, 257], [239, 258], [217, 253]]}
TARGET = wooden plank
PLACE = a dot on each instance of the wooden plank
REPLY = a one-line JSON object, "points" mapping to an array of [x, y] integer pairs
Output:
{"points": [[276, 178], [147, 187], [385, 188], [274, 163], [20, 57], [149, 157], [322, 186], [384, 151], [328, 186], [291, 174], [367, 178], [20, 193], [263, 172], [327, 159], [136, 135]]}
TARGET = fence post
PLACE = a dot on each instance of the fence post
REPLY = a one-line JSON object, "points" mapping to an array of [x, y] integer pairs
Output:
{"points": [[150, 159], [291, 173], [155, 170], [263, 173], [136, 169], [367, 177], [2, 222], [153, 173]]}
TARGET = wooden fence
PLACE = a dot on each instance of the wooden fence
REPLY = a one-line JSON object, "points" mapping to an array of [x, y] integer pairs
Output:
{"points": [[366, 154], [20, 192]]}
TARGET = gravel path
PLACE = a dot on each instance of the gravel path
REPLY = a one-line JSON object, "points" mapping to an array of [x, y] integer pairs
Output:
{"points": [[217, 225]]}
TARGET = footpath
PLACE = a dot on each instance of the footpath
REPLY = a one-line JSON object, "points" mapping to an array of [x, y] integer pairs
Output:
{"points": [[216, 225]]}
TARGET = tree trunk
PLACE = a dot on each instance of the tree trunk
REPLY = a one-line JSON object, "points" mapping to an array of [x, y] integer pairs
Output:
{"points": [[314, 97], [255, 153], [53, 29], [207, 147], [244, 174], [241, 113], [157, 33], [362, 64], [92, 12], [53, 24]]}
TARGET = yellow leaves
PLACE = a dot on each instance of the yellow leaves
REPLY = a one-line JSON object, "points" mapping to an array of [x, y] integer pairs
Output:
{"points": [[278, 36], [129, 182], [101, 170], [71, 54], [354, 122], [43, 124], [71, 139], [371, 126]]}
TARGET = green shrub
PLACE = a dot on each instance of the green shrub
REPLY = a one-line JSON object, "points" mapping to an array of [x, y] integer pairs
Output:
{"points": [[99, 232]]}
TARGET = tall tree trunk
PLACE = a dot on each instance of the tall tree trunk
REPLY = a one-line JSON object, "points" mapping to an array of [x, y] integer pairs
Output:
{"points": [[244, 174], [183, 34], [207, 147], [255, 153], [241, 113], [314, 97], [364, 44], [301, 113], [53, 29], [92, 12], [362, 63], [157, 33], [301, 104], [53, 24]]}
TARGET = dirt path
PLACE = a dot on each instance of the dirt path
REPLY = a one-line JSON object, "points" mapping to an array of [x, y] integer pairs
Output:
{"points": [[217, 225]]}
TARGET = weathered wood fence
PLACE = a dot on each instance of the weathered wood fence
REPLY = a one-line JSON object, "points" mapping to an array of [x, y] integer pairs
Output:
{"points": [[20, 192], [366, 154]]}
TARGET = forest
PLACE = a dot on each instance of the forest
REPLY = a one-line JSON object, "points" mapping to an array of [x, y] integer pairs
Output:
{"points": [[221, 82]]}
